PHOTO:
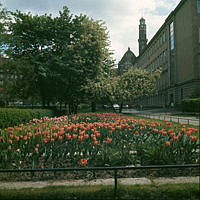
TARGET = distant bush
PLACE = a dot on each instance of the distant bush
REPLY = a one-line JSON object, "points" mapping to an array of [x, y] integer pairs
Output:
{"points": [[2, 103], [190, 105], [12, 116]]}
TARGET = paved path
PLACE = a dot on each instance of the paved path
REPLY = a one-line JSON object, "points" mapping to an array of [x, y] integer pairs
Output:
{"points": [[123, 181], [164, 114]]}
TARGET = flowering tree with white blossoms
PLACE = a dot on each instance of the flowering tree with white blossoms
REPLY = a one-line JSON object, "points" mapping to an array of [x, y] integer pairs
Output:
{"points": [[134, 83]]}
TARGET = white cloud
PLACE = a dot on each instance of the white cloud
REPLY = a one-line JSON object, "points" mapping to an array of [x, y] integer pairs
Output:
{"points": [[121, 16], [124, 26]]}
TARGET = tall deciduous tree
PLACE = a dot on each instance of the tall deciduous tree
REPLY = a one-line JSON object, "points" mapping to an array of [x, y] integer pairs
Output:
{"points": [[65, 52], [134, 83], [4, 15]]}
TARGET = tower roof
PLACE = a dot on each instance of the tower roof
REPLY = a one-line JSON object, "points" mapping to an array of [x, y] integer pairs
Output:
{"points": [[129, 56], [142, 20]]}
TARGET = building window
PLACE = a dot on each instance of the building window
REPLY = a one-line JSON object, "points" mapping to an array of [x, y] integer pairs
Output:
{"points": [[199, 34], [163, 36], [198, 6], [171, 29], [166, 54]]}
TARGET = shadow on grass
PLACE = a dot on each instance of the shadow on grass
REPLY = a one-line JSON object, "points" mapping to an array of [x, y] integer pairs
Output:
{"points": [[189, 191]]}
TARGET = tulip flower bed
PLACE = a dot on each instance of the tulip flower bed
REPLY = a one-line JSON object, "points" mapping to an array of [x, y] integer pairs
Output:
{"points": [[105, 139]]}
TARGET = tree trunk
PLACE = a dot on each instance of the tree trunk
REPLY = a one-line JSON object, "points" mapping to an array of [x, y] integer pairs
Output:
{"points": [[93, 105], [60, 108], [32, 103], [48, 104], [120, 108], [73, 107], [111, 103], [43, 102]]}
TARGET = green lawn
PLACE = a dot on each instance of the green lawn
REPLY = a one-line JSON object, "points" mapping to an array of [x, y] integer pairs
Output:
{"points": [[189, 191]]}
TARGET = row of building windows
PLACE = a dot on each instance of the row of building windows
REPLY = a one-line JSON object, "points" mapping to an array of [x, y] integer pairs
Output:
{"points": [[156, 45], [158, 42], [159, 61], [163, 57]]}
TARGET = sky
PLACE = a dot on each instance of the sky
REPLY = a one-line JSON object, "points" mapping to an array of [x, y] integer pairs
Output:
{"points": [[120, 16]]}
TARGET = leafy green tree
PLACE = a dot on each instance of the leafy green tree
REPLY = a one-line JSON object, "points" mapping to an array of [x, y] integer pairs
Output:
{"points": [[62, 53], [24, 49], [89, 58], [18, 80], [134, 83], [4, 16]]}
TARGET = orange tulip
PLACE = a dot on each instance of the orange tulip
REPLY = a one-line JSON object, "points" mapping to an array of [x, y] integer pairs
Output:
{"points": [[10, 141], [167, 143], [74, 136], [80, 138], [29, 134], [109, 140], [175, 138], [189, 133], [194, 138], [60, 138], [52, 140], [95, 142], [86, 136], [155, 130], [9, 147], [68, 136]]}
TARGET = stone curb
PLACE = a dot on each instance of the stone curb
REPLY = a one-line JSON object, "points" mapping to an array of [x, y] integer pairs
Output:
{"points": [[122, 181]]}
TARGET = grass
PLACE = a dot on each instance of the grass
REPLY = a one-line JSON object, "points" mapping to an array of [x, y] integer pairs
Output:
{"points": [[189, 191]]}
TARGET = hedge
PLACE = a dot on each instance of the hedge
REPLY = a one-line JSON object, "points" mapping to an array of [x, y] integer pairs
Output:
{"points": [[11, 116], [190, 105]]}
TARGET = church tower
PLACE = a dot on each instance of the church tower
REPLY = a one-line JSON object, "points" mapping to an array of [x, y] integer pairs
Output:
{"points": [[142, 35]]}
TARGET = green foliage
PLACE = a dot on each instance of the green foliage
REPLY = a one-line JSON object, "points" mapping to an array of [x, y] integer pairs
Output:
{"points": [[11, 116], [2, 103], [128, 86], [53, 58], [3, 18], [18, 80], [190, 105]]}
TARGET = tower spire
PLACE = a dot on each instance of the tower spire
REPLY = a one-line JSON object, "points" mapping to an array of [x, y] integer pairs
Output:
{"points": [[142, 35]]}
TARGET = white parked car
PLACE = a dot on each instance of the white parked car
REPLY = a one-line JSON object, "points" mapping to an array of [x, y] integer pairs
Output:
{"points": [[115, 105]]}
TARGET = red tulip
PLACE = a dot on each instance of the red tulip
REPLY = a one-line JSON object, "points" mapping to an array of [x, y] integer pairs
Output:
{"points": [[83, 162]]}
